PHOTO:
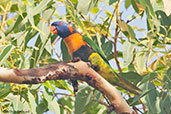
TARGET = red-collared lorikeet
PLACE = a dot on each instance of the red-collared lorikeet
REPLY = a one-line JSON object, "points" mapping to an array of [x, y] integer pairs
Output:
{"points": [[77, 47]]}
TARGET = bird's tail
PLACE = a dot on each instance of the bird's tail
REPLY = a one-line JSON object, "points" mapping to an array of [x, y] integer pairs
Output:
{"points": [[110, 75], [127, 85]]}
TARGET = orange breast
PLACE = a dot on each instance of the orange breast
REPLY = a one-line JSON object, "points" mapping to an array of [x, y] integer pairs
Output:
{"points": [[74, 42]]}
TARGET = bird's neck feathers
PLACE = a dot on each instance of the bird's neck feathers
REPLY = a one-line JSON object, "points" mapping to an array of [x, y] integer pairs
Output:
{"points": [[74, 42]]}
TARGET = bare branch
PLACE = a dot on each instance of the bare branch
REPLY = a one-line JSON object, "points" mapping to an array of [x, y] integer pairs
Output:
{"points": [[68, 70]]}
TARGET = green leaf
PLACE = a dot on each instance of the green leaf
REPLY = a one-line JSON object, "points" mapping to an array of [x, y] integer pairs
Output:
{"points": [[48, 14], [32, 103], [137, 98], [169, 72], [62, 84], [30, 15], [14, 25], [123, 25], [5, 89], [131, 76], [150, 8], [42, 107], [35, 86], [140, 60], [107, 47], [165, 22], [127, 3], [166, 98], [135, 6], [74, 1], [85, 6], [39, 8], [128, 49], [64, 50], [17, 104], [99, 40], [167, 79], [148, 77], [127, 29], [158, 5], [112, 1], [82, 99], [131, 32], [36, 53], [48, 46], [52, 103], [2, 37], [48, 85], [149, 99], [68, 102], [159, 105], [6, 52], [45, 31], [19, 38], [143, 3], [39, 48], [95, 108], [95, 10]]}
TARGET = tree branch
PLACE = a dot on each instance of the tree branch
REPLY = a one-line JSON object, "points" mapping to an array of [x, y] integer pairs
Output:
{"points": [[64, 71]]}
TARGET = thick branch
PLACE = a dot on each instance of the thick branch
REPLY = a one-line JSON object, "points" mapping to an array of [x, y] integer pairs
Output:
{"points": [[70, 70]]}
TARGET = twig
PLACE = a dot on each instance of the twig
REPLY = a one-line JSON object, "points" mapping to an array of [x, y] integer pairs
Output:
{"points": [[135, 108], [4, 16], [53, 46], [115, 39], [76, 9], [98, 13], [63, 94], [103, 103], [110, 22]]}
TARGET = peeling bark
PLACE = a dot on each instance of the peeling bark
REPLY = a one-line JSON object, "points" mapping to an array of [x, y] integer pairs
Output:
{"points": [[78, 70]]}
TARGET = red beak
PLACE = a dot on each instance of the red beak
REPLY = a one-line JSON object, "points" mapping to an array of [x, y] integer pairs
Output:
{"points": [[53, 30]]}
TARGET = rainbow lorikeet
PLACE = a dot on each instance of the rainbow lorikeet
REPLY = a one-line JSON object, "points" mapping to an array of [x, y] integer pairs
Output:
{"points": [[77, 47]]}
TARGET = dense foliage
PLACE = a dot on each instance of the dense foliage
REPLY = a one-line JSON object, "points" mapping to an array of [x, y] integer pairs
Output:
{"points": [[140, 54]]}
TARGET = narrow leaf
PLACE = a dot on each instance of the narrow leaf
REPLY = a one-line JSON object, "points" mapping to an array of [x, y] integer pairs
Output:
{"points": [[85, 6], [5, 89], [32, 103], [140, 60], [42, 6], [52, 103], [128, 49], [5, 53], [82, 99]]}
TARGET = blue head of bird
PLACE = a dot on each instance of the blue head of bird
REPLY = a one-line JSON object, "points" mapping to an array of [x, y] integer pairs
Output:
{"points": [[62, 29]]}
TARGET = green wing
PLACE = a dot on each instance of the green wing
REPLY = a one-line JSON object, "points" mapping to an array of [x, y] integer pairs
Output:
{"points": [[109, 74]]}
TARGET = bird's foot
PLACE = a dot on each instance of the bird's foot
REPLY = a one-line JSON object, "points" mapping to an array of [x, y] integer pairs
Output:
{"points": [[75, 86], [110, 109]]}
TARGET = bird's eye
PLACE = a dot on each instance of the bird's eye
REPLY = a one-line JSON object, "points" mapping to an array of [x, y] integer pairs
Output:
{"points": [[59, 24]]}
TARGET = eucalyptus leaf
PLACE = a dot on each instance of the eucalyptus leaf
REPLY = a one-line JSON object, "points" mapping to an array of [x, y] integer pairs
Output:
{"points": [[85, 6], [5, 53], [39, 8], [17, 104], [82, 99], [140, 58], [127, 51], [5, 89], [52, 103], [32, 102]]}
